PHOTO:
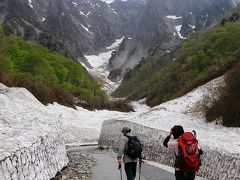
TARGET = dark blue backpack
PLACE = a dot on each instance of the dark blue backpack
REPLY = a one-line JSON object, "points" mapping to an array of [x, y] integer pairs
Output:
{"points": [[134, 147]]}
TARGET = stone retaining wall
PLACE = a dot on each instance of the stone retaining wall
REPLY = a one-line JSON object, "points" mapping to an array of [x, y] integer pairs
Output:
{"points": [[216, 165], [40, 161], [32, 144]]}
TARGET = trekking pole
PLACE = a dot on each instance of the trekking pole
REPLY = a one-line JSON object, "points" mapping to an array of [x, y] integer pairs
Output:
{"points": [[120, 168], [140, 166]]}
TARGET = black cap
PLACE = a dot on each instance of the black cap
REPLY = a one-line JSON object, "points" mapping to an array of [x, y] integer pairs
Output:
{"points": [[126, 129]]}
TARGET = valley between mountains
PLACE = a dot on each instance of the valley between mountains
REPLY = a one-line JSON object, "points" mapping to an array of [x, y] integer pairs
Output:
{"points": [[74, 72]]}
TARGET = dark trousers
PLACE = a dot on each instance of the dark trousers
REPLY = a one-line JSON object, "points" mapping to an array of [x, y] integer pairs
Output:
{"points": [[184, 176], [130, 169]]}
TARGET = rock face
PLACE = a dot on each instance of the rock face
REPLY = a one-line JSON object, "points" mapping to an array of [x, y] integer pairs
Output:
{"points": [[31, 140], [69, 27], [216, 163], [160, 24], [77, 27]]}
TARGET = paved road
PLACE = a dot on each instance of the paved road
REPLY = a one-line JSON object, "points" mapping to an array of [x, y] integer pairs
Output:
{"points": [[107, 168]]}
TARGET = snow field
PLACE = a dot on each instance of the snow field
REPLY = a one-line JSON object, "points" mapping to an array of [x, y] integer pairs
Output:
{"points": [[82, 125], [27, 125], [99, 63], [101, 60], [183, 111], [32, 144]]}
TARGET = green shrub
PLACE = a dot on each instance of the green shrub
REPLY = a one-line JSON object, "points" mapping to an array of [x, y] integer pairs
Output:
{"points": [[49, 76], [227, 106]]}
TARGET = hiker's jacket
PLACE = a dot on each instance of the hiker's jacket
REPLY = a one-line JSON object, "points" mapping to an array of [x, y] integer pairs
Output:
{"points": [[122, 146], [172, 144]]}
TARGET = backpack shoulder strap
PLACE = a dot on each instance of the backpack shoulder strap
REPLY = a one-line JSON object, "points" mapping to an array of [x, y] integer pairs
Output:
{"points": [[129, 137]]}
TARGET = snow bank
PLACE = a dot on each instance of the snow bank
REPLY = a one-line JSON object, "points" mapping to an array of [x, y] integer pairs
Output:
{"points": [[31, 138], [220, 143], [216, 165], [186, 111], [82, 125]]}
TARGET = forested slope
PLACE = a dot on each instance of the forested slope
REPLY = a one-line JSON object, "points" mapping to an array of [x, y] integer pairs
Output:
{"points": [[206, 55], [49, 76]]}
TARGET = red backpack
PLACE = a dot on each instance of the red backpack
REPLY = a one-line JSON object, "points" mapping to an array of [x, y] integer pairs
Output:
{"points": [[188, 153]]}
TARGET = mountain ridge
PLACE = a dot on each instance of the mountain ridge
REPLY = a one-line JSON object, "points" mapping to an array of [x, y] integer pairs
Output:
{"points": [[78, 27], [204, 56]]}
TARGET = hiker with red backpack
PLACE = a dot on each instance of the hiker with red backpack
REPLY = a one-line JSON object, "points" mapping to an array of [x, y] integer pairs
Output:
{"points": [[186, 150], [129, 152]]}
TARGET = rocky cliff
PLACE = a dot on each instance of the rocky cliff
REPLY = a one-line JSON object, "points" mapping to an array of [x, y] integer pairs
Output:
{"points": [[79, 27]]}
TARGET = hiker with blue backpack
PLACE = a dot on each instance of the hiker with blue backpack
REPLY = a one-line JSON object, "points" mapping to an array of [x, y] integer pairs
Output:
{"points": [[129, 153], [186, 150]]}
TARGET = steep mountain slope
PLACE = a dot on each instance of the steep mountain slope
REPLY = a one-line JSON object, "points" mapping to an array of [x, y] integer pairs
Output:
{"points": [[77, 27], [161, 25], [204, 56], [85, 27], [49, 76], [226, 107], [69, 27]]}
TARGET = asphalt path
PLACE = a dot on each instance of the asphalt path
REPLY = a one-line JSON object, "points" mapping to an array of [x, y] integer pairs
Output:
{"points": [[107, 167]]}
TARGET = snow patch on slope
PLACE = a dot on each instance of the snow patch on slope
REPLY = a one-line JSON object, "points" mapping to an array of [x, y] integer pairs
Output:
{"points": [[140, 106], [108, 1], [178, 29], [75, 4], [115, 44], [192, 26], [82, 126], [86, 29], [173, 17], [99, 63], [183, 111], [30, 3]]}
